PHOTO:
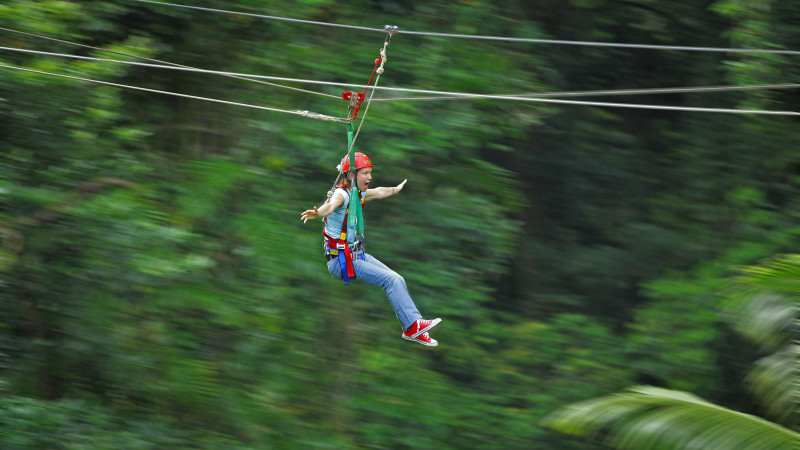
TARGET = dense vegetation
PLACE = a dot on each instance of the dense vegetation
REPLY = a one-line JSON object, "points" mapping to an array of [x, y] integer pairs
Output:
{"points": [[157, 287]]}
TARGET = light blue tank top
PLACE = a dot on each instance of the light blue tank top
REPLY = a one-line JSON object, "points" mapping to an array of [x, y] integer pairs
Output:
{"points": [[333, 228]]}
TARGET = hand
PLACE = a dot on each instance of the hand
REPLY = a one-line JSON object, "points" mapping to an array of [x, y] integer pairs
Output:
{"points": [[309, 214], [399, 187]]}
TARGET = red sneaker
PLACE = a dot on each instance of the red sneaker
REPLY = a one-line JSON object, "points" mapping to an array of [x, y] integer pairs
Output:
{"points": [[424, 339], [421, 326]]}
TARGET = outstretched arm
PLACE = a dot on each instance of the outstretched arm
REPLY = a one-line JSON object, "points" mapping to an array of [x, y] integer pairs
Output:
{"points": [[383, 192], [324, 210]]}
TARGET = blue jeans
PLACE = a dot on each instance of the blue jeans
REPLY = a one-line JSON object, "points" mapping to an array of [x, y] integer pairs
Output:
{"points": [[374, 272]]}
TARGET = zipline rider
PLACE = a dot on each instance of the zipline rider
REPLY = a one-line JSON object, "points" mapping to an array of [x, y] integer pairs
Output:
{"points": [[351, 260]]}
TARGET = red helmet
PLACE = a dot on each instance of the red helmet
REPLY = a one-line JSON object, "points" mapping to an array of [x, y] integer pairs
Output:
{"points": [[362, 161]]}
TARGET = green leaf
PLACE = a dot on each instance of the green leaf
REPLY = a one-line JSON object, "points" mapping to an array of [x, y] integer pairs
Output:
{"points": [[646, 417]]}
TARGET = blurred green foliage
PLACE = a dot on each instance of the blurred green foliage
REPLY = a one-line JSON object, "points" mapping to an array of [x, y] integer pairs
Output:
{"points": [[158, 288], [761, 303]]}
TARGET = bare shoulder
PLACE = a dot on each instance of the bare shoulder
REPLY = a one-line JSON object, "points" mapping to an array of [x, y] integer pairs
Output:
{"points": [[337, 199]]}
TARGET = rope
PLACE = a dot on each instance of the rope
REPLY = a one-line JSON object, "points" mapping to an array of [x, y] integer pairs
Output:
{"points": [[317, 116], [296, 112], [151, 59], [374, 69], [379, 71], [491, 38]]}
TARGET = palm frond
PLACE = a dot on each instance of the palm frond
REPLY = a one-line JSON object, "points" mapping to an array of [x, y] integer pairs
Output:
{"points": [[772, 381], [778, 274], [646, 417], [765, 318], [763, 307]]}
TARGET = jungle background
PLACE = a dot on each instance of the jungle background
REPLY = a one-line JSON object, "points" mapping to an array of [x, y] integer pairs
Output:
{"points": [[158, 289]]}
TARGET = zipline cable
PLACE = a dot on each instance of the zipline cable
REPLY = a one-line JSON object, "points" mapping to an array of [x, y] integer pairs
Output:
{"points": [[162, 62], [295, 112], [262, 16], [606, 44], [433, 92], [448, 95], [647, 91], [491, 38]]}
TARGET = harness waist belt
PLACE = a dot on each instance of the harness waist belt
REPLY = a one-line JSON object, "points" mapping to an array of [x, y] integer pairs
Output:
{"points": [[357, 247], [358, 254]]}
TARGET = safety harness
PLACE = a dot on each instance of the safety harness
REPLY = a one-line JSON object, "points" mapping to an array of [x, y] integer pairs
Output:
{"points": [[339, 248]]}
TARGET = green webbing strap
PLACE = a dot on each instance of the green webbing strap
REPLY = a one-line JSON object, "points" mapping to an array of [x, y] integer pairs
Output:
{"points": [[355, 203]]}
